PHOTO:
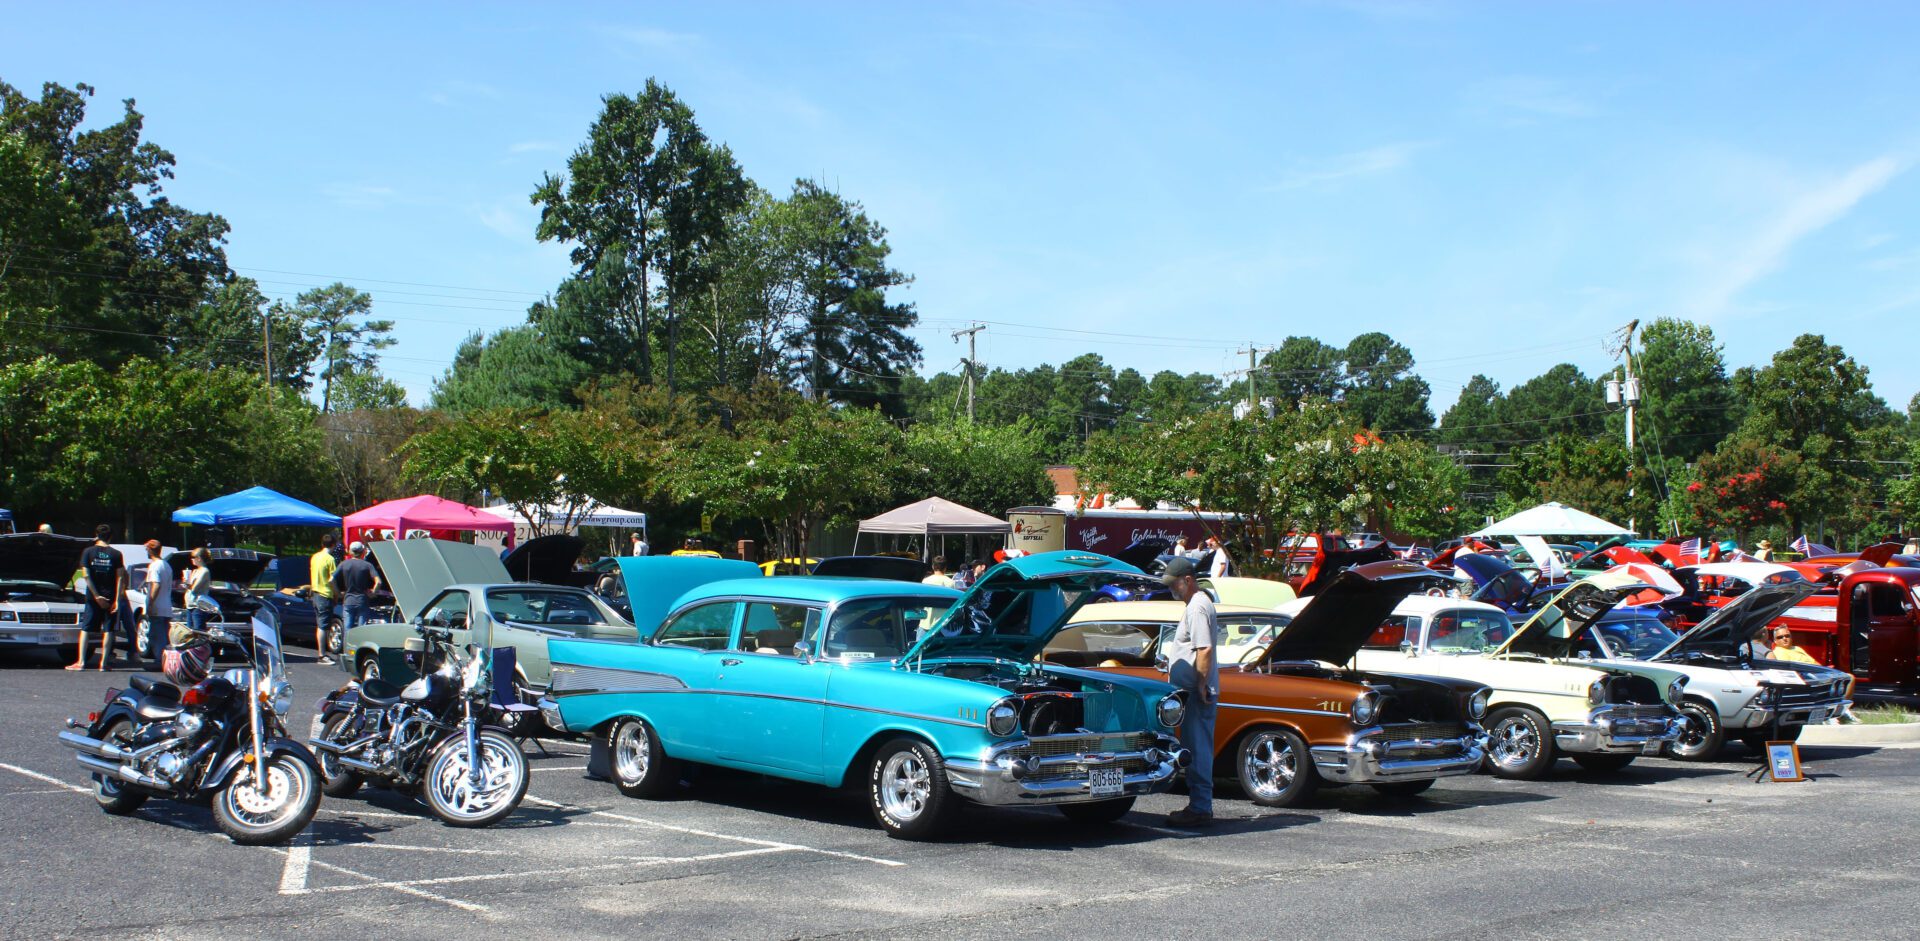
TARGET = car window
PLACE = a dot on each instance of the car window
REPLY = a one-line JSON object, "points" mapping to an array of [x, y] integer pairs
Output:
{"points": [[1133, 640], [878, 628], [707, 627], [448, 610], [1468, 631], [1636, 639], [1394, 631], [773, 628], [546, 607], [1242, 628]]}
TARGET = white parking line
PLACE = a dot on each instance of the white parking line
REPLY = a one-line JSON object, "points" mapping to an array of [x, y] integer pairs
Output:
{"points": [[558, 767], [624, 862], [356, 812], [47, 779], [405, 848], [293, 875], [373, 882], [751, 841]]}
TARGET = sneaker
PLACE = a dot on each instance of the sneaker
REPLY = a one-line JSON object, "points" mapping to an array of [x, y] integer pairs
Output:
{"points": [[325, 660], [1190, 818]]}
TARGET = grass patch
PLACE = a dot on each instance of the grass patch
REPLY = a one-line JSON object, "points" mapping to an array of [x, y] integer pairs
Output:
{"points": [[1884, 715]]}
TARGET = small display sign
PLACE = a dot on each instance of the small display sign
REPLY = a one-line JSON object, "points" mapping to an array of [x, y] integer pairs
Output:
{"points": [[1783, 762]]}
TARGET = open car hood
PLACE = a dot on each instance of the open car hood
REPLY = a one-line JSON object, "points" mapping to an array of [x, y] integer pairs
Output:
{"points": [[1495, 582], [239, 566], [1339, 619], [545, 559], [890, 567], [40, 557], [418, 569], [1551, 631], [1725, 630], [655, 582], [1018, 605], [1143, 552], [1329, 563]]}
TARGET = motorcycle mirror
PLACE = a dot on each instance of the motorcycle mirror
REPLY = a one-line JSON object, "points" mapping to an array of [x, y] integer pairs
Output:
{"points": [[207, 605]]}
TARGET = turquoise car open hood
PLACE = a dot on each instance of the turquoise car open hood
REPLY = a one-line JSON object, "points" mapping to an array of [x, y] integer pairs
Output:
{"points": [[418, 569], [1018, 605], [655, 582]]}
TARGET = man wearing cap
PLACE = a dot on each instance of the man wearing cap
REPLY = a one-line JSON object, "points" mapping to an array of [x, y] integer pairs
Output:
{"points": [[1764, 551], [355, 581], [320, 591], [1191, 667]]}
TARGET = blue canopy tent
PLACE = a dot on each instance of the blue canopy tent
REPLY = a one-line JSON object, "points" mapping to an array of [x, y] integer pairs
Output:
{"points": [[255, 506]]}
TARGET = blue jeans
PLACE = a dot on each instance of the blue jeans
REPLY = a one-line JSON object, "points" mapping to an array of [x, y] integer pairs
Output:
{"points": [[353, 614], [157, 625], [1196, 735], [197, 619]]}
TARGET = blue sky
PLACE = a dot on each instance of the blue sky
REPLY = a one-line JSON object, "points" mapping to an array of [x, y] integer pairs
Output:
{"points": [[1496, 185]]}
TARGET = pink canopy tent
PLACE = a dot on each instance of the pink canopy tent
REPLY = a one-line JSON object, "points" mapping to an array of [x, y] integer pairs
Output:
{"points": [[426, 515]]}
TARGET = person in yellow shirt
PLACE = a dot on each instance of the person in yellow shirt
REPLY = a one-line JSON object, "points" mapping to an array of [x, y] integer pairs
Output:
{"points": [[1783, 648], [320, 591]]}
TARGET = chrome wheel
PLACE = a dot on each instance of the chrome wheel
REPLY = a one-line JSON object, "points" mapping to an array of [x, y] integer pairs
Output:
{"points": [[1269, 766], [460, 797], [257, 806], [632, 753], [1513, 742], [905, 786]]}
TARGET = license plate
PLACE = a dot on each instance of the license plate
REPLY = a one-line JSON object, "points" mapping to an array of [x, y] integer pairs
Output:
{"points": [[1105, 782], [49, 638], [1817, 715]]}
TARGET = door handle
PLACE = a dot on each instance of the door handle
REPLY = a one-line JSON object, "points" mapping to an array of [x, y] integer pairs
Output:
{"points": [[729, 662]]}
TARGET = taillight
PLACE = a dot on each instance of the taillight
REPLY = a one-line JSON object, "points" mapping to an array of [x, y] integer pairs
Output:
{"points": [[93, 717], [195, 697], [112, 694]]}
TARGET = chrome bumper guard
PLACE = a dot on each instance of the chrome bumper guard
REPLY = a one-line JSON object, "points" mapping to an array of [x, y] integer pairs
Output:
{"points": [[1801, 713], [1606, 731], [1367, 761], [1003, 778], [550, 711]]}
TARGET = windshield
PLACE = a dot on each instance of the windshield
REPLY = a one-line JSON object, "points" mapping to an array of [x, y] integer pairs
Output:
{"points": [[878, 628], [547, 607], [1461, 631], [265, 645], [1247, 629], [1637, 639]]}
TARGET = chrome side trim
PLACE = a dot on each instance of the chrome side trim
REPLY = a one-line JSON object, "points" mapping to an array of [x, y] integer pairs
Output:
{"points": [[574, 680], [1298, 712]]}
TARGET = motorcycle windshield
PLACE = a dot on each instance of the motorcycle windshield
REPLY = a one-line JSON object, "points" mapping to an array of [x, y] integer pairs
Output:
{"points": [[266, 654]]}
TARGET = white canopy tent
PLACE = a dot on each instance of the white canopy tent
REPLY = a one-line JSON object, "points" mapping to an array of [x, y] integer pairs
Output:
{"points": [[932, 517], [1553, 519], [569, 517]]}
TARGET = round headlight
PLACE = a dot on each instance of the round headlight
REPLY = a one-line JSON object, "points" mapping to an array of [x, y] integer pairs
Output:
{"points": [[1675, 688], [1597, 692], [1171, 710], [1477, 704], [282, 697], [1003, 718], [1364, 708]]}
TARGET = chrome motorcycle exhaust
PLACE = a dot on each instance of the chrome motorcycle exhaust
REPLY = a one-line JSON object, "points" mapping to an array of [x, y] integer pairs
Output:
{"points": [[124, 773], [93, 746], [364, 767]]}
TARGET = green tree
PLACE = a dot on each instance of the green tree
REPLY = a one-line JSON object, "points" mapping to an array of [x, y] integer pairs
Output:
{"points": [[349, 341], [1301, 368], [1816, 401], [519, 367], [852, 346], [229, 328], [1560, 401], [1686, 399], [527, 459], [1474, 421], [1589, 474], [1171, 396], [1741, 486], [97, 261], [1380, 387], [991, 468]]}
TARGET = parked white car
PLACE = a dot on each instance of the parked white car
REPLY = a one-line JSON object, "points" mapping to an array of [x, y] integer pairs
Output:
{"points": [[1729, 694], [37, 609], [1547, 702]]}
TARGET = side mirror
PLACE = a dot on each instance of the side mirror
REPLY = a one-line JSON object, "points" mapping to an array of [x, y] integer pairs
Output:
{"points": [[803, 650], [1406, 647]]}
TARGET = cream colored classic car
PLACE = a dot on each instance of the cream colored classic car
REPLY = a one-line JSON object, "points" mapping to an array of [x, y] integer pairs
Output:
{"points": [[1546, 702]]}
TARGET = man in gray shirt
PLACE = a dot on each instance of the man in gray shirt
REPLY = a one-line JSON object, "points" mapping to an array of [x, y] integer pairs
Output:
{"points": [[1191, 667]]}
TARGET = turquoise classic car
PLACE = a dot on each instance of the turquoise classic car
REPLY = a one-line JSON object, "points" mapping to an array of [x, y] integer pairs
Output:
{"points": [[924, 698], [466, 589]]}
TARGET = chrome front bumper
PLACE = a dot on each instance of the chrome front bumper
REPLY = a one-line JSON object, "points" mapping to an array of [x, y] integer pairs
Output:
{"points": [[1004, 778], [1369, 761], [550, 711], [37, 635], [1798, 714], [1612, 730]]}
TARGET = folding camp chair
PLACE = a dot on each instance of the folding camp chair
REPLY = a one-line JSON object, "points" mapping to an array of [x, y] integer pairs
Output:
{"points": [[522, 719]]}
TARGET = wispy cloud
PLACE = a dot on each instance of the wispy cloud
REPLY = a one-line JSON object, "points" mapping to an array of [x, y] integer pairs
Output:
{"points": [[359, 195], [1526, 98], [515, 222], [1807, 212], [652, 38], [1374, 160]]}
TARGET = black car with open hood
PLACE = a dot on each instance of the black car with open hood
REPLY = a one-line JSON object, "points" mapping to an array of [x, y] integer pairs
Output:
{"points": [[1347, 610]]}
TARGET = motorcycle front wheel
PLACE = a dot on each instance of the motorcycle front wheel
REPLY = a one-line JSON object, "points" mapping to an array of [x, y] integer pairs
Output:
{"points": [[251, 813], [451, 792]]}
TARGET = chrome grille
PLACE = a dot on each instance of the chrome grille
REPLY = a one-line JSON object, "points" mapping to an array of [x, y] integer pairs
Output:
{"points": [[1637, 712], [1792, 697], [49, 617], [1417, 730], [1076, 744]]}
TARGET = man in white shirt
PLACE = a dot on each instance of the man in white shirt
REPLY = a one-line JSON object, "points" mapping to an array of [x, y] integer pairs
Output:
{"points": [[1218, 567], [639, 545], [939, 576], [159, 588], [1191, 667]]}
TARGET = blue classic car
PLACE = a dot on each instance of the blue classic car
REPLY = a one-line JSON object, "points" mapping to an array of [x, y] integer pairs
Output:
{"points": [[922, 696]]}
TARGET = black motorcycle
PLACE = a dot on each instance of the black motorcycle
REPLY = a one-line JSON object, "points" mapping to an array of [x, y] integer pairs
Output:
{"points": [[225, 738], [421, 738]]}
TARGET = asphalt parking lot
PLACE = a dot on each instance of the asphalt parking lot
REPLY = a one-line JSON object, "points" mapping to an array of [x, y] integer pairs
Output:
{"points": [[1662, 849]]}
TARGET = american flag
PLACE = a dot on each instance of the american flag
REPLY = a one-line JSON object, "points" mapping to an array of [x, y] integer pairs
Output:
{"points": [[1801, 545], [1691, 549]]}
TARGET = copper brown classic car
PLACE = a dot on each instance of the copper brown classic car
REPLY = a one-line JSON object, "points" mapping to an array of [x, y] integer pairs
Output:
{"points": [[1292, 716]]}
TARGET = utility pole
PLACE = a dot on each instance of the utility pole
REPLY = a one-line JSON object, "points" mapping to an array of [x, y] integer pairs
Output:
{"points": [[1626, 391], [266, 327], [970, 334], [1252, 351]]}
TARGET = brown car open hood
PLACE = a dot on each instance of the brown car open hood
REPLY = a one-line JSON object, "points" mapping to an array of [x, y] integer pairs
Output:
{"points": [[1347, 610]]}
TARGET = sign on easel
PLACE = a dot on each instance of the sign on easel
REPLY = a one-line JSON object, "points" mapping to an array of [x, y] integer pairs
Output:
{"points": [[1783, 762]]}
